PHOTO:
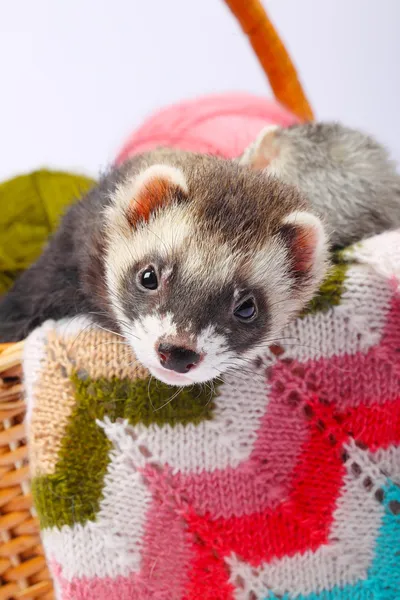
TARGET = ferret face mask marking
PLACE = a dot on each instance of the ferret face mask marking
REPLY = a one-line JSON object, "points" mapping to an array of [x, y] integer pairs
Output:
{"points": [[204, 266]]}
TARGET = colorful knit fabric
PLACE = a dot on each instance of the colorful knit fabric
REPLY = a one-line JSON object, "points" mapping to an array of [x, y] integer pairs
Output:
{"points": [[282, 482]]}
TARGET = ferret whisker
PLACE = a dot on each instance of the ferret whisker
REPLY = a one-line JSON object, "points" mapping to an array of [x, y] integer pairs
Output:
{"points": [[148, 393], [109, 331], [207, 384], [114, 332], [241, 364], [86, 330], [238, 370], [170, 399], [200, 386], [227, 383], [98, 314], [126, 344], [212, 393]]}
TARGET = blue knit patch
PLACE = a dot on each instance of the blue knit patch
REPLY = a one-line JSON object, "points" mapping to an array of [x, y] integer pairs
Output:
{"points": [[383, 581]]}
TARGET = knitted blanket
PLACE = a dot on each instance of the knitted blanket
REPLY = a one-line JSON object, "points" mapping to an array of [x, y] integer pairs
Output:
{"points": [[280, 482]]}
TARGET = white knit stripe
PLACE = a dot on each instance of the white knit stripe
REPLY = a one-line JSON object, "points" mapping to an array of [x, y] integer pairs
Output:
{"points": [[226, 440], [382, 253], [112, 545], [344, 560], [34, 353], [388, 461], [356, 325], [57, 589], [35, 347], [75, 327]]}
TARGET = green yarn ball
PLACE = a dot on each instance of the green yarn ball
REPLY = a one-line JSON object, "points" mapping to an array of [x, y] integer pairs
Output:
{"points": [[31, 208]]}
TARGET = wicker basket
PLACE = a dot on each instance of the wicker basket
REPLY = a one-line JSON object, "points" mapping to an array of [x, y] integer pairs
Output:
{"points": [[23, 570]]}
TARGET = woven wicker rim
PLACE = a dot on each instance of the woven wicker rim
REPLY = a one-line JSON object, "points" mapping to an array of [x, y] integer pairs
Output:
{"points": [[23, 569]]}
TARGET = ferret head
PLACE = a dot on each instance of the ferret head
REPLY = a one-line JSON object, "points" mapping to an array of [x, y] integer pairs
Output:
{"points": [[206, 261]]}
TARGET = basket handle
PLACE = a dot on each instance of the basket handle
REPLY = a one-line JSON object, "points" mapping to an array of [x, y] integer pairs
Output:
{"points": [[272, 55]]}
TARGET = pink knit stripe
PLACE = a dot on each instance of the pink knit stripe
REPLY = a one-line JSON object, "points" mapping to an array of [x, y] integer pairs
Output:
{"points": [[107, 588], [166, 553], [348, 380], [264, 479]]}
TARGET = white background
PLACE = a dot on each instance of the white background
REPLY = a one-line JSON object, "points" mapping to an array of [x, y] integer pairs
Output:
{"points": [[77, 75]]}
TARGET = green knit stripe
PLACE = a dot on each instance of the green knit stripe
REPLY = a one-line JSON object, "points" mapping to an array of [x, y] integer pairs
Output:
{"points": [[73, 493], [331, 290], [148, 401]]}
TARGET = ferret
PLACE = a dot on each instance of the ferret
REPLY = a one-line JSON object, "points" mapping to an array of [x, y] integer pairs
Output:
{"points": [[346, 176], [199, 262]]}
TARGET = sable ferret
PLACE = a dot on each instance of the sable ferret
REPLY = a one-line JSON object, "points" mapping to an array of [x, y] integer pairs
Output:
{"points": [[200, 262], [346, 176]]}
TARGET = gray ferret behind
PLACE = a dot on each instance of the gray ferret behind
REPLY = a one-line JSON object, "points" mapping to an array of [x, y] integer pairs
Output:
{"points": [[199, 262], [346, 176]]}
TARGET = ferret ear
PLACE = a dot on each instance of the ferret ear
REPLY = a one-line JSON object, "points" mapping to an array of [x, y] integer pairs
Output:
{"points": [[305, 239], [154, 187], [265, 149]]}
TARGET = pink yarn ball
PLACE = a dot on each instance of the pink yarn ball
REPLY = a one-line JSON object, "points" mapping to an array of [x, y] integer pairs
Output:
{"points": [[223, 124]]}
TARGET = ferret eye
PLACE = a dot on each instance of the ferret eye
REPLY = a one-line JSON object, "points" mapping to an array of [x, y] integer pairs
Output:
{"points": [[247, 311], [148, 279]]}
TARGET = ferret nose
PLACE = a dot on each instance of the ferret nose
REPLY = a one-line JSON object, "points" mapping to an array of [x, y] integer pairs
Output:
{"points": [[177, 358]]}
